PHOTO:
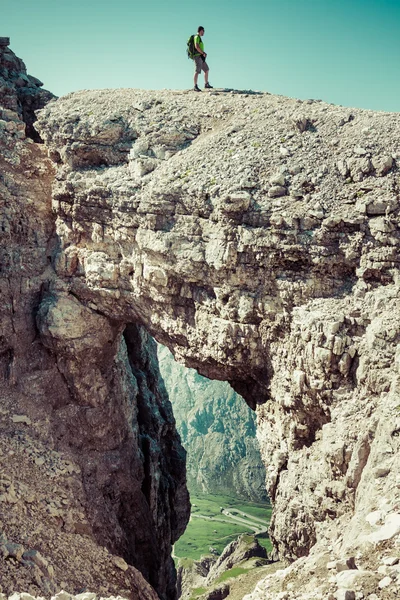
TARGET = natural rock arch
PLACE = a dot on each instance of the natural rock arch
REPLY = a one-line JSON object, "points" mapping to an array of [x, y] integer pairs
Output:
{"points": [[258, 238]]}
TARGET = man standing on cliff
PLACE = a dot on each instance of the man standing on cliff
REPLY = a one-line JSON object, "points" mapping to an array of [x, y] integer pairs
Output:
{"points": [[199, 58]]}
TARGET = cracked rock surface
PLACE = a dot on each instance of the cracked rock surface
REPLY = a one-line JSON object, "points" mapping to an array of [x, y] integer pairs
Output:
{"points": [[20, 94], [258, 237], [92, 472]]}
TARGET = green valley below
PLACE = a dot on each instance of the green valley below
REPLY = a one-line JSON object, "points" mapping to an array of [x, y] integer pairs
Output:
{"points": [[216, 520]]}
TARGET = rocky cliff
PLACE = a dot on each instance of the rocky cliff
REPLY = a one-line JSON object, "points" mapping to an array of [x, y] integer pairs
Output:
{"points": [[20, 92], [257, 237], [92, 476], [217, 430]]}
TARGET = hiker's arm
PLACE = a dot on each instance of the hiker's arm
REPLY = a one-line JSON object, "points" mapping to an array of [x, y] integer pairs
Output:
{"points": [[199, 50]]}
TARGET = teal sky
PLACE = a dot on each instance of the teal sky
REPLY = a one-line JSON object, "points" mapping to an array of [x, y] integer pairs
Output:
{"points": [[341, 51]]}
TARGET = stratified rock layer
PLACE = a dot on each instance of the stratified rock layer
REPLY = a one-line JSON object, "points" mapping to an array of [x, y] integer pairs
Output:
{"points": [[258, 238], [92, 475], [217, 430]]}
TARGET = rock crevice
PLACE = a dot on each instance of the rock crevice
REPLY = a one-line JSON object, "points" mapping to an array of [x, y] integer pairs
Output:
{"points": [[92, 469]]}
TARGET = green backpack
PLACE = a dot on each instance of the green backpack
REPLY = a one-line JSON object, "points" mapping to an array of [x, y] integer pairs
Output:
{"points": [[191, 49]]}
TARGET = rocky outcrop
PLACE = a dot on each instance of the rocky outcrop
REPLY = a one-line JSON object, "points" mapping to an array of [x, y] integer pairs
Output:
{"points": [[218, 431], [121, 426], [19, 92], [241, 556], [236, 553], [92, 476], [258, 238]]}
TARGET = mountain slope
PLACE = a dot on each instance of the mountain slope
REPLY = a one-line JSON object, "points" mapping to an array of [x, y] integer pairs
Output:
{"points": [[218, 431]]}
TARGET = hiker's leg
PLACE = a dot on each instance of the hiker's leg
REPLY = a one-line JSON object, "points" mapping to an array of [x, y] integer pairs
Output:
{"points": [[197, 68], [205, 69]]}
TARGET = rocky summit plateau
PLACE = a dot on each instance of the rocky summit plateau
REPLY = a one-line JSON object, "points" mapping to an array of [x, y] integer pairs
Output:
{"points": [[257, 237]]}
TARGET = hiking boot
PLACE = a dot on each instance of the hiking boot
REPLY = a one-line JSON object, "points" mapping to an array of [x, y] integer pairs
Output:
{"points": [[208, 86], [196, 88]]}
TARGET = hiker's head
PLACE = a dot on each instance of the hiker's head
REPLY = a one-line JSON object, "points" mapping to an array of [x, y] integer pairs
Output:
{"points": [[200, 30]]}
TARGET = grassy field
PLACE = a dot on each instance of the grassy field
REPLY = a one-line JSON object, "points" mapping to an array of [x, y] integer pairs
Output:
{"points": [[260, 511], [209, 528]]}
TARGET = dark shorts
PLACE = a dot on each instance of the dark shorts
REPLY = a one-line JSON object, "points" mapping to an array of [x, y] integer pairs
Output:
{"points": [[200, 64]]}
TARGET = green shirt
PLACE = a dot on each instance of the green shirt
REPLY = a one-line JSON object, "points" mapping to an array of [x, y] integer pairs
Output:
{"points": [[197, 40]]}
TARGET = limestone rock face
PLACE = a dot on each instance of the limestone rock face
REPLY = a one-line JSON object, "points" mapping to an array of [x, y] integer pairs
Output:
{"points": [[217, 430], [258, 238], [120, 422], [19, 92], [92, 477]]}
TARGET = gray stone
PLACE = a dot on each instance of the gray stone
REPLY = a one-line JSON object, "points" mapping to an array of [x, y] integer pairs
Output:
{"points": [[345, 595], [360, 151], [120, 563], [277, 180], [236, 201], [382, 164], [388, 531], [35, 557], [381, 207], [15, 550], [351, 578], [35, 81], [248, 183], [345, 565], [21, 419], [63, 595], [385, 582], [391, 560], [276, 191], [381, 471], [301, 123]]}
